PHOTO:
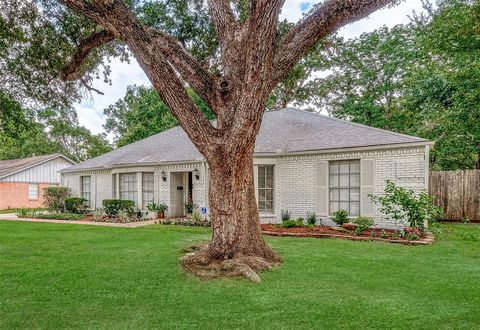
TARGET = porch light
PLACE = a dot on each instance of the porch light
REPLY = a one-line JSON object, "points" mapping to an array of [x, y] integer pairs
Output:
{"points": [[163, 175], [196, 173]]}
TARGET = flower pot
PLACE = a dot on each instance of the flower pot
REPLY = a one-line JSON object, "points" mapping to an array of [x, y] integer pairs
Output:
{"points": [[152, 215]]}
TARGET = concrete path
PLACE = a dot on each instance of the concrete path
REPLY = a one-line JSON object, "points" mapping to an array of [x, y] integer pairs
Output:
{"points": [[13, 217]]}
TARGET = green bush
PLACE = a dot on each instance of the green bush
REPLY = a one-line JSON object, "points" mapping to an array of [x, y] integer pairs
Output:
{"points": [[289, 223], [56, 216], [75, 204], [340, 217], [152, 206], [311, 219], [301, 222], [399, 204], [113, 207], [190, 207], [363, 223], [54, 198]]}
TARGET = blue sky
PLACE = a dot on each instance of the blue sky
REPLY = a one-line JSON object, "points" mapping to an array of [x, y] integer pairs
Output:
{"points": [[90, 109]]}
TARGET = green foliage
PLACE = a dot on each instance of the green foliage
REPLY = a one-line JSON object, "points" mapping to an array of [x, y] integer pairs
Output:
{"points": [[157, 207], [340, 217], [23, 212], [25, 132], [55, 216], [113, 207], [362, 223], [190, 207], [285, 215], [75, 204], [311, 218], [399, 204], [54, 198], [420, 78], [290, 223]]}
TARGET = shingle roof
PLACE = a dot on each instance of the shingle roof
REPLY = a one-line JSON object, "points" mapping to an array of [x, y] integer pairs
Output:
{"points": [[282, 131], [8, 167]]}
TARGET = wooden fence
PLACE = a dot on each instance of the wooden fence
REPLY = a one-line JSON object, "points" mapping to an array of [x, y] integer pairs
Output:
{"points": [[458, 193]]}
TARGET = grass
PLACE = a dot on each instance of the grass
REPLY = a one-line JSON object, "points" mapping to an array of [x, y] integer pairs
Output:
{"points": [[71, 276], [5, 211]]}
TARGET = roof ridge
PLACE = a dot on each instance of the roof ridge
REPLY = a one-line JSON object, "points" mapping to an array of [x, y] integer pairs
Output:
{"points": [[354, 123]]}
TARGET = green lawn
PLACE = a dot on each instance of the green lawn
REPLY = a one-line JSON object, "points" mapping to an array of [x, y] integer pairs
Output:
{"points": [[73, 276]]}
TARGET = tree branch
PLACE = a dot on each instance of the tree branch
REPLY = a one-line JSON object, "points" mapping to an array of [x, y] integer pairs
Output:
{"points": [[72, 71], [328, 17], [114, 16]]}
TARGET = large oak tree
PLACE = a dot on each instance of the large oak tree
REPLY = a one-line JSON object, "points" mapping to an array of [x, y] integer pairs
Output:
{"points": [[252, 59]]}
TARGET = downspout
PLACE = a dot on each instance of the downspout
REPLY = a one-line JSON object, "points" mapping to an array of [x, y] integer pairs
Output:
{"points": [[205, 185]]}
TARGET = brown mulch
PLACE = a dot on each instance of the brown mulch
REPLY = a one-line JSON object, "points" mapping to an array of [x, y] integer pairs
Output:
{"points": [[343, 233]]}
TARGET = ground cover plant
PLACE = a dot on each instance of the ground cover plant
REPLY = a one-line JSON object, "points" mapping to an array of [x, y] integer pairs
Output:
{"points": [[70, 276]]}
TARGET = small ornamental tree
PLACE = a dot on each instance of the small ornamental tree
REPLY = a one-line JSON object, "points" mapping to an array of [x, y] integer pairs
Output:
{"points": [[248, 58], [54, 198]]}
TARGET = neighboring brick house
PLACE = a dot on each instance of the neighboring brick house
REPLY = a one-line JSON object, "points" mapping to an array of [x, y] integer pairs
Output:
{"points": [[22, 180], [303, 162]]}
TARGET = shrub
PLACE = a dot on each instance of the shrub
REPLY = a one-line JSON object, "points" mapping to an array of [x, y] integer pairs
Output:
{"points": [[157, 207], [285, 215], [398, 204], [197, 216], [190, 207], [54, 198], [75, 204], [301, 221], [289, 223], [340, 217], [57, 216], [23, 213], [113, 207], [311, 219], [363, 223]]}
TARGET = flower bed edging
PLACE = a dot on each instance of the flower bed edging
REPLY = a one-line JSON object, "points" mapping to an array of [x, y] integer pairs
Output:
{"points": [[427, 240]]}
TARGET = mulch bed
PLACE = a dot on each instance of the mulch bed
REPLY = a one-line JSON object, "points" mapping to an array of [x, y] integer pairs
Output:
{"points": [[342, 233]]}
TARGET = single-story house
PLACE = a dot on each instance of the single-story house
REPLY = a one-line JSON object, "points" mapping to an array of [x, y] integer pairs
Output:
{"points": [[22, 180], [303, 162]]}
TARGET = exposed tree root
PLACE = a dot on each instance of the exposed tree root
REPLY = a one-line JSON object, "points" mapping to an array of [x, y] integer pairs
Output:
{"points": [[201, 264]]}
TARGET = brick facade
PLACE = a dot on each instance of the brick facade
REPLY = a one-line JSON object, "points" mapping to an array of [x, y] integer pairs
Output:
{"points": [[15, 195], [295, 177]]}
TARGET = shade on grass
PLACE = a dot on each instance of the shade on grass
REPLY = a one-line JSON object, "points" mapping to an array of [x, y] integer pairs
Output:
{"points": [[72, 276]]}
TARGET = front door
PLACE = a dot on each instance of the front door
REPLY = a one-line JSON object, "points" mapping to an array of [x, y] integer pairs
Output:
{"points": [[177, 191]]}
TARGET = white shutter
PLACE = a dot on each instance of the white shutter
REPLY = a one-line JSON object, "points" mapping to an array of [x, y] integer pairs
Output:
{"points": [[367, 171], [322, 188]]}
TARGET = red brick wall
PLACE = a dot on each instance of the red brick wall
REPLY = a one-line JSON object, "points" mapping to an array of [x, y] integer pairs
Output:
{"points": [[15, 195]]}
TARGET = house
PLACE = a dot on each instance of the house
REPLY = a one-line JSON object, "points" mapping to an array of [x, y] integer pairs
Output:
{"points": [[22, 180], [303, 162]]}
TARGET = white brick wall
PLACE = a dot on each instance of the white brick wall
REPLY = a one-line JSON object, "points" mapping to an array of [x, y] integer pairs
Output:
{"points": [[295, 179]]}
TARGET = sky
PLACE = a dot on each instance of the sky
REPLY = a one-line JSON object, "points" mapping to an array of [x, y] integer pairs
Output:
{"points": [[90, 110]]}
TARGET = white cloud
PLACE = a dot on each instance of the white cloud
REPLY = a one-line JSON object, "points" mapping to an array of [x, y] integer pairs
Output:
{"points": [[90, 110]]}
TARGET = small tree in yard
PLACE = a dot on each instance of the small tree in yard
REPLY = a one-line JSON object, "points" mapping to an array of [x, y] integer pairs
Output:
{"points": [[54, 198], [252, 60]]}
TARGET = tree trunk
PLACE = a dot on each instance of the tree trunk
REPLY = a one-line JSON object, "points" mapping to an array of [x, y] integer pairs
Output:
{"points": [[237, 247], [236, 228]]}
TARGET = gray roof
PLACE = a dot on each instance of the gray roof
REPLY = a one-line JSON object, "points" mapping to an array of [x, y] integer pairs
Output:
{"points": [[11, 166], [282, 131]]}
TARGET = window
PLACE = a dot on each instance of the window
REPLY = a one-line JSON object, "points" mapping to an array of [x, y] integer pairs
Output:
{"points": [[265, 188], [147, 189], [344, 183], [33, 191], [128, 187], [86, 189]]}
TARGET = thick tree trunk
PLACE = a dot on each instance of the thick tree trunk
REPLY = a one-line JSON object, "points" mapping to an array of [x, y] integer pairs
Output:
{"points": [[237, 247], [236, 225]]}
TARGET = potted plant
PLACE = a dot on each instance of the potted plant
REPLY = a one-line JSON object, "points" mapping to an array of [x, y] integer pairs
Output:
{"points": [[190, 207], [156, 210]]}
